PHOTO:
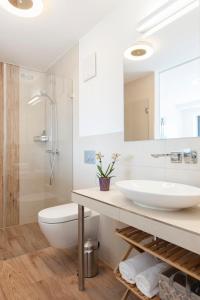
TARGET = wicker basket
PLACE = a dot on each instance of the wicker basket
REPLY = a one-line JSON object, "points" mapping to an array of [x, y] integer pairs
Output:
{"points": [[175, 285]]}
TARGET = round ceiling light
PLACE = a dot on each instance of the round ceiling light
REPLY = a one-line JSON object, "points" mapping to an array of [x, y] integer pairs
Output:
{"points": [[139, 51], [23, 8]]}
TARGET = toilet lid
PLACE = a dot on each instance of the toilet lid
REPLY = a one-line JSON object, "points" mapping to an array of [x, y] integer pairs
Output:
{"points": [[61, 213]]}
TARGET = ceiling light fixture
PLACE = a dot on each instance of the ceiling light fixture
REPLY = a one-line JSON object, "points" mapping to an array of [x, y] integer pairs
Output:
{"points": [[139, 51], [23, 8], [165, 15]]}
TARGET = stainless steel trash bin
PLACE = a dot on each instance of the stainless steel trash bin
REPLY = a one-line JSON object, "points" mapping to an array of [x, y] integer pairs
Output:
{"points": [[91, 258]]}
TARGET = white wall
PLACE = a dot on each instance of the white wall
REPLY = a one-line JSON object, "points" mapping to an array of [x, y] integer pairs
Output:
{"points": [[100, 115]]}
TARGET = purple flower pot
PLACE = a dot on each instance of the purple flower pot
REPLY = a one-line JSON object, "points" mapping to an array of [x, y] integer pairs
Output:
{"points": [[104, 184]]}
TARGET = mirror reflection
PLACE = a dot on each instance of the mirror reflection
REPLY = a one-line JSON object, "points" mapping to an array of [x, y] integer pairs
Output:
{"points": [[162, 81]]}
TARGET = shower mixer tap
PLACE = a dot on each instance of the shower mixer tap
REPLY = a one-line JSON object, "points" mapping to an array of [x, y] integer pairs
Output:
{"points": [[175, 157], [52, 151]]}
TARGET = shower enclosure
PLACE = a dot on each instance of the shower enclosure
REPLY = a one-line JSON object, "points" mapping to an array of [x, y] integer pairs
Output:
{"points": [[49, 135], [35, 141]]}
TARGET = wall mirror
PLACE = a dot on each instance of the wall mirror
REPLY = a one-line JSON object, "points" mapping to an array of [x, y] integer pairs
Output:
{"points": [[162, 81]]}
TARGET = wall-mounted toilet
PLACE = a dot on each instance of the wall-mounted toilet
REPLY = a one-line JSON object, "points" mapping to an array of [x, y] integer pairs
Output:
{"points": [[59, 224]]}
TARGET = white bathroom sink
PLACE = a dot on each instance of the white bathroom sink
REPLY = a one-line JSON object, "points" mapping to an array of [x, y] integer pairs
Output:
{"points": [[159, 194]]}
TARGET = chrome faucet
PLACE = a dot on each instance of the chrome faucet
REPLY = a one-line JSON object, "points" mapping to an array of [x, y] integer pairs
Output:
{"points": [[157, 155], [175, 157], [189, 156]]}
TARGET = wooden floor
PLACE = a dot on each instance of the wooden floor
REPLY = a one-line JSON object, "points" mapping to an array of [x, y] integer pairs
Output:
{"points": [[19, 240], [32, 270]]}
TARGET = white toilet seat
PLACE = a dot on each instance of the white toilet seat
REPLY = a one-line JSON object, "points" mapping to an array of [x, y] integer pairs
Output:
{"points": [[61, 213], [59, 224]]}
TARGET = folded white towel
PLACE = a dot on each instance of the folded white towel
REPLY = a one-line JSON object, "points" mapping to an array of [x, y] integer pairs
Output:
{"points": [[131, 267], [147, 281]]}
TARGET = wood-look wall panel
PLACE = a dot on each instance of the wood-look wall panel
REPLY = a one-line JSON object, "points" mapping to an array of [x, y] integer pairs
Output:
{"points": [[1, 142], [12, 146]]}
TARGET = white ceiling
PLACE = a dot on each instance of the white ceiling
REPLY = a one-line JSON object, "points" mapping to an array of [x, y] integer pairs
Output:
{"points": [[36, 43], [173, 45]]}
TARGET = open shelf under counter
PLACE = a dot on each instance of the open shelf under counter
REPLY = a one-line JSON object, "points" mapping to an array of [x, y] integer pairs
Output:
{"points": [[177, 257]]}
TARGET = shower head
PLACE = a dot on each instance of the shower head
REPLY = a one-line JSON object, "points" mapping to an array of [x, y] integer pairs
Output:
{"points": [[40, 97]]}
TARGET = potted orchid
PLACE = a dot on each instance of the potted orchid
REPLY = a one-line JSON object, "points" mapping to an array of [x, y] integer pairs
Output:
{"points": [[105, 176]]}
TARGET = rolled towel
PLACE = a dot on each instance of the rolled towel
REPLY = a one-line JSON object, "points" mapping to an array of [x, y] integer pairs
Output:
{"points": [[147, 281], [131, 267]]}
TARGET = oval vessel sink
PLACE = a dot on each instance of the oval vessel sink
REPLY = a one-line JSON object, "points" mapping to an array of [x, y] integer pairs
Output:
{"points": [[160, 194]]}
